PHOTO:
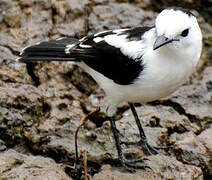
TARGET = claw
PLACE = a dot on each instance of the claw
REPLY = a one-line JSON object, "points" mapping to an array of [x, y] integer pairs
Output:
{"points": [[151, 150], [130, 165], [148, 148]]}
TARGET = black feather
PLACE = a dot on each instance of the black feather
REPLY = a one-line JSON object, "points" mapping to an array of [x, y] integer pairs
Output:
{"points": [[49, 51], [110, 61], [101, 56], [135, 34]]}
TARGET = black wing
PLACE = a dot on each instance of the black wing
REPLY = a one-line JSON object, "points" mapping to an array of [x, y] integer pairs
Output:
{"points": [[49, 51], [96, 52], [110, 60]]}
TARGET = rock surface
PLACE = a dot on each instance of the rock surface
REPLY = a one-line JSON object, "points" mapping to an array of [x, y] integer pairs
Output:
{"points": [[162, 167], [41, 104], [18, 166]]}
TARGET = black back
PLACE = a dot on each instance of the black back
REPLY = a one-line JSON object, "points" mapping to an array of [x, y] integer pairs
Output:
{"points": [[112, 63], [135, 34]]}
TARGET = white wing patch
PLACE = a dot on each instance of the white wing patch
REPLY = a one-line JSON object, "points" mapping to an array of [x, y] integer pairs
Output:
{"points": [[84, 46], [58, 39], [100, 33], [98, 39], [68, 48], [22, 51], [118, 31], [132, 49]]}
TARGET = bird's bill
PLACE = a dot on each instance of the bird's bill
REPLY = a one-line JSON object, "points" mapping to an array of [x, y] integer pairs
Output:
{"points": [[161, 41]]}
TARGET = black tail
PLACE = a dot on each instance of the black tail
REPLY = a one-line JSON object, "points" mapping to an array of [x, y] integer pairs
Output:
{"points": [[49, 51]]}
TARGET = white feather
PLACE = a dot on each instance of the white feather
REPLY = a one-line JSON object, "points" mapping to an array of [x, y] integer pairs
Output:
{"points": [[98, 39], [165, 69], [69, 47]]}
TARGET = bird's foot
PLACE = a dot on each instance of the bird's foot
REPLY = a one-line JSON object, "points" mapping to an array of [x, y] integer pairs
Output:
{"points": [[151, 150], [131, 165]]}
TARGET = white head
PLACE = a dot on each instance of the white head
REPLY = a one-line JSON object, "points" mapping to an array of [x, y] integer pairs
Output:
{"points": [[177, 29]]}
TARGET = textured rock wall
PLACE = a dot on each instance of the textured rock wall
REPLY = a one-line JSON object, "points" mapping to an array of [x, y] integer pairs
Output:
{"points": [[42, 104]]}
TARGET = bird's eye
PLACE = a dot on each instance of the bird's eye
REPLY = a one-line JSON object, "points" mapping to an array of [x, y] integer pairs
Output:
{"points": [[185, 33]]}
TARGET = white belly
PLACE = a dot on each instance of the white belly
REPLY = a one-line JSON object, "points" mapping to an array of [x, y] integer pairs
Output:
{"points": [[159, 79]]}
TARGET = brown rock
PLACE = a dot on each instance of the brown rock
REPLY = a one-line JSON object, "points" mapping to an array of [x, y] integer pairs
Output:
{"points": [[162, 168], [196, 100], [45, 116], [118, 15], [18, 166], [21, 107], [205, 138], [190, 149]]}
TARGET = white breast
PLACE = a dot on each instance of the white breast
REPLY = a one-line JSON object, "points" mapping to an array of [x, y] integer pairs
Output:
{"points": [[164, 71]]}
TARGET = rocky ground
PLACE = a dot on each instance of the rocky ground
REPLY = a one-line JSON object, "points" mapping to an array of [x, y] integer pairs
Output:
{"points": [[42, 104]]}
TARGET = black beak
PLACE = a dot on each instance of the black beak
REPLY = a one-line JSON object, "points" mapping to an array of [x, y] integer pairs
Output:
{"points": [[161, 41]]}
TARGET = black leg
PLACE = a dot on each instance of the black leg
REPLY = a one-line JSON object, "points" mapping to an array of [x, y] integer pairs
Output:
{"points": [[128, 164], [143, 142], [116, 137]]}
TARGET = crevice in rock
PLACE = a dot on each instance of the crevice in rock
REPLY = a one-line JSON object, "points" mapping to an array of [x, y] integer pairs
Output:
{"points": [[14, 52], [175, 129], [53, 14], [99, 118], [60, 155], [81, 80], [9, 142], [154, 122], [177, 107], [181, 156], [93, 168], [208, 177], [46, 107]]}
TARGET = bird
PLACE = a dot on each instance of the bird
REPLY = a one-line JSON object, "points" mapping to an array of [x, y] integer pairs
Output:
{"points": [[134, 65]]}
